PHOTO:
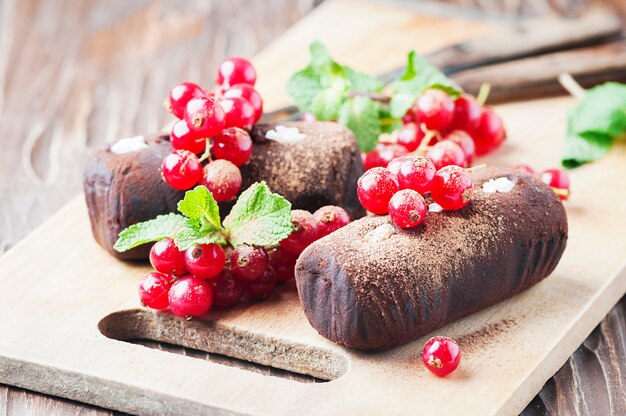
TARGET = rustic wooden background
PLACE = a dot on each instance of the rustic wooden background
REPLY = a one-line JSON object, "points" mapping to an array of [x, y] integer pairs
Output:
{"points": [[75, 74]]}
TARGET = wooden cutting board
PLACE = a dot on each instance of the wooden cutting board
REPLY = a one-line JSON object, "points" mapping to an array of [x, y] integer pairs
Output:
{"points": [[66, 306]]}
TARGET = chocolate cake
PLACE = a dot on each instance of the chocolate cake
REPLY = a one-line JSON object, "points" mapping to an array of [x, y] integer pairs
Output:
{"points": [[122, 189], [320, 169], [372, 286]]}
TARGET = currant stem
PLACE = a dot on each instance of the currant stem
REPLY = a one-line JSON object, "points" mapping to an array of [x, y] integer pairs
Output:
{"points": [[430, 134], [473, 168], [207, 153], [571, 86], [483, 93]]}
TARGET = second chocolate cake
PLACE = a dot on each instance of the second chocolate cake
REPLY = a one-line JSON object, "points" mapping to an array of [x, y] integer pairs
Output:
{"points": [[372, 286]]}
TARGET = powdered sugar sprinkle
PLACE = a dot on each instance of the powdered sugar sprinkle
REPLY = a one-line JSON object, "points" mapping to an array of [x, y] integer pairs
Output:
{"points": [[283, 134], [129, 144], [501, 185]]}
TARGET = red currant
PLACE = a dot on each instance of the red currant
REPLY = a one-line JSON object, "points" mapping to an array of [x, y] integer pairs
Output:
{"points": [[166, 258], [446, 153], [441, 355], [223, 179], [304, 232], [239, 112], [435, 109], [264, 285], [283, 263], [227, 291], [330, 218], [465, 142], [489, 134], [180, 96], [414, 172], [248, 263], [181, 170], [452, 187], [205, 261], [235, 70], [190, 296], [383, 154], [375, 188], [247, 92], [525, 168], [233, 144], [410, 136], [205, 117], [184, 139], [408, 117], [153, 289], [558, 180], [407, 208], [466, 114]]}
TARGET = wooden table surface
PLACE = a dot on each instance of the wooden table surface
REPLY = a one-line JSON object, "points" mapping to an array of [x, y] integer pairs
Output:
{"points": [[74, 75]]}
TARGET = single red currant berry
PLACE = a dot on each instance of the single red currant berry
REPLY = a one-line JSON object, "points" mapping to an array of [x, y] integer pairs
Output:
{"points": [[408, 117], [180, 96], [525, 168], [227, 291], [466, 114], [205, 261], [283, 263], [190, 296], [435, 109], [223, 179], [489, 134], [264, 285], [153, 289], [446, 153], [232, 144], [558, 180], [375, 188], [248, 263], [304, 232], [330, 218], [181, 170], [410, 136], [247, 92], [205, 117], [394, 165], [441, 355], [235, 70], [465, 142], [184, 139], [414, 172], [407, 208], [383, 154], [452, 187], [166, 258], [239, 112]]}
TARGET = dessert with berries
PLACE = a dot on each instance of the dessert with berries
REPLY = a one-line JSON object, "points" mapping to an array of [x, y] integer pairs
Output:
{"points": [[385, 280]]}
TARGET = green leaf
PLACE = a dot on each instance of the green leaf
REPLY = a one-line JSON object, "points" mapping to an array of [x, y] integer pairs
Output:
{"points": [[595, 124], [259, 218], [156, 229], [199, 203], [326, 104], [303, 87], [418, 76], [189, 237], [362, 82], [362, 115]]}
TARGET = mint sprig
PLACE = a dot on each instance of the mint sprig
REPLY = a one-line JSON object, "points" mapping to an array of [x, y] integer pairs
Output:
{"points": [[332, 91], [259, 218], [595, 124]]}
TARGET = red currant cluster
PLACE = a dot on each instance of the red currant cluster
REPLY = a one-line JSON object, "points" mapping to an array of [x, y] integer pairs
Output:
{"points": [[398, 189], [441, 355], [190, 282], [213, 123], [449, 131], [557, 179]]}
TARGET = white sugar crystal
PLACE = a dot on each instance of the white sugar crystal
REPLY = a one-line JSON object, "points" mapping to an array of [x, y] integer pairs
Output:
{"points": [[380, 233], [129, 144], [283, 134], [434, 207], [502, 185]]}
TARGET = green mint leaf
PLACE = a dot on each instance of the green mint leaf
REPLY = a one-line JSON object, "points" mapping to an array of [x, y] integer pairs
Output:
{"points": [[304, 86], [594, 124], [189, 237], [362, 115], [418, 76], [326, 104], [199, 203], [259, 218], [156, 229], [362, 82]]}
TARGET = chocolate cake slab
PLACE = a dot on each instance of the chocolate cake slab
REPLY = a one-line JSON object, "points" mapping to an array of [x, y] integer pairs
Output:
{"points": [[373, 286]]}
